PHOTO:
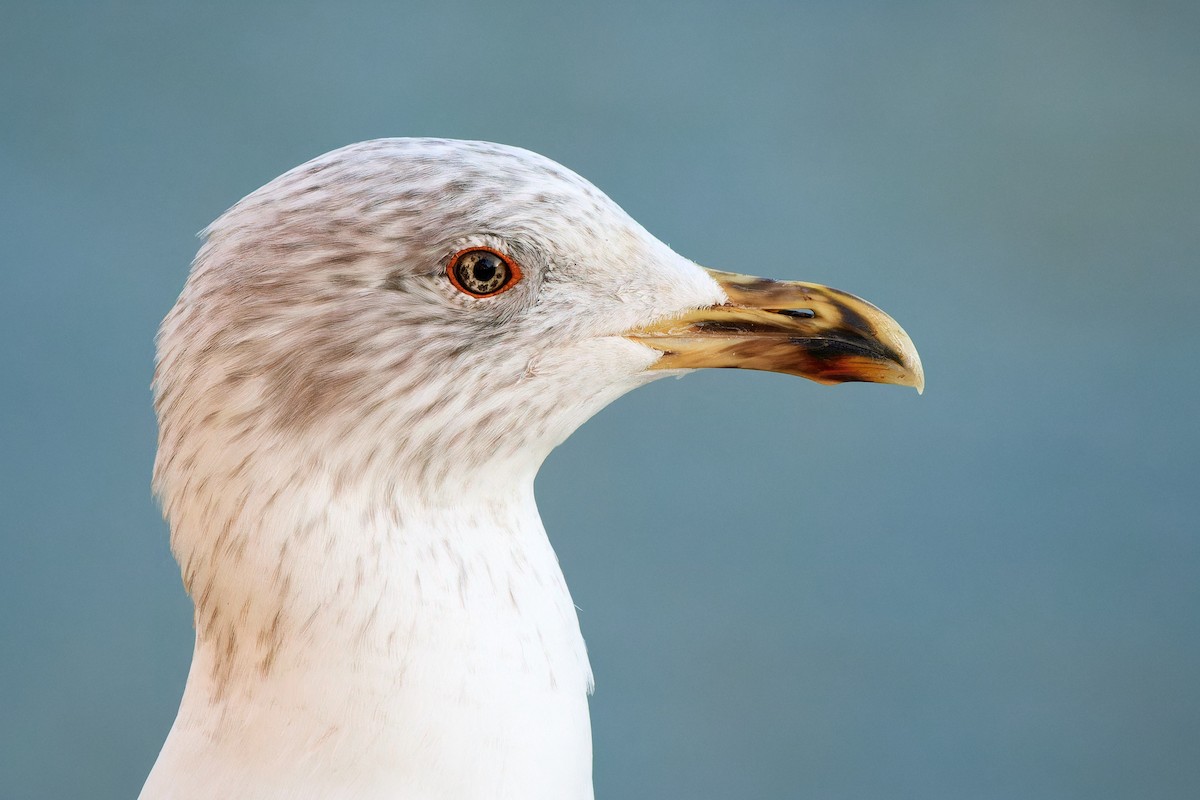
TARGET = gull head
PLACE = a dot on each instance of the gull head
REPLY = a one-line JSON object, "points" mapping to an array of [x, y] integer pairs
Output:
{"points": [[436, 311]]}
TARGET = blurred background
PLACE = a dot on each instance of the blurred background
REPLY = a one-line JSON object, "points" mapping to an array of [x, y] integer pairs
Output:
{"points": [[788, 590]]}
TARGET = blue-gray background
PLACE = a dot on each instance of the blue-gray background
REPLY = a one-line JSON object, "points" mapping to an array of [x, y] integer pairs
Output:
{"points": [[991, 591]]}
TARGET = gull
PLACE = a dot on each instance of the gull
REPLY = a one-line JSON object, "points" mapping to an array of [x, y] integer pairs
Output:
{"points": [[370, 359]]}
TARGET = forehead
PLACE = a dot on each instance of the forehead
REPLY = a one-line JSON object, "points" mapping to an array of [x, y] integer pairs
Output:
{"points": [[382, 211], [480, 181]]}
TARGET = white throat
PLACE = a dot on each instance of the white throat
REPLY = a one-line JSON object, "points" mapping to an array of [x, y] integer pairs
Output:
{"points": [[394, 650]]}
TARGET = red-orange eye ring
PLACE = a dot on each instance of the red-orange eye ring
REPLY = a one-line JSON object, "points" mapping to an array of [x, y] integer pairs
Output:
{"points": [[482, 272]]}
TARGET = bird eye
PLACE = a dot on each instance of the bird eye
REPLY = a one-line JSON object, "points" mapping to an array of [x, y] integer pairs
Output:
{"points": [[482, 272]]}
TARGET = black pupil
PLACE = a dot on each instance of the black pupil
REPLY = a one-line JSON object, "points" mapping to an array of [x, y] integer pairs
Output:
{"points": [[485, 268]]}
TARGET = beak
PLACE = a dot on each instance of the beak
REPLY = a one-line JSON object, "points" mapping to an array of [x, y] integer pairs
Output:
{"points": [[804, 329]]}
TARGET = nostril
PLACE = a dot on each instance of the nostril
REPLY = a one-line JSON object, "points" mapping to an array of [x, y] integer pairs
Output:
{"points": [[802, 313]]}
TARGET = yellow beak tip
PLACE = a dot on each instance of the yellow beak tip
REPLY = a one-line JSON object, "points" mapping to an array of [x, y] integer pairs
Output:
{"points": [[918, 374]]}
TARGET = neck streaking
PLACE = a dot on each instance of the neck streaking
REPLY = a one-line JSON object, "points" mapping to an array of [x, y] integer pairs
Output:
{"points": [[424, 649]]}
